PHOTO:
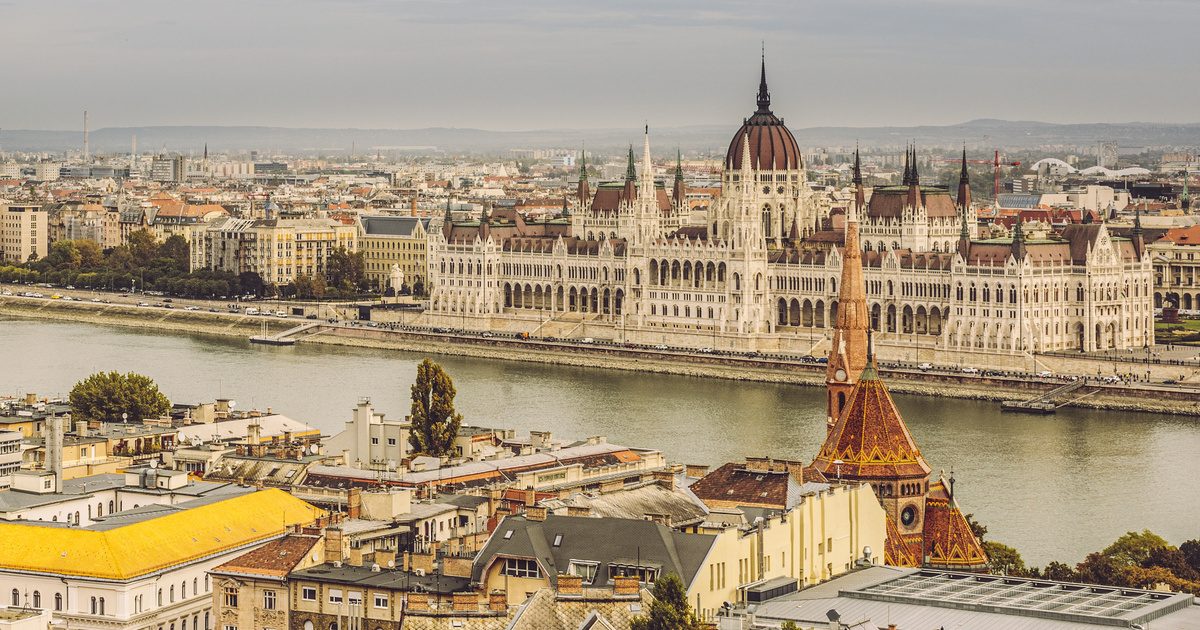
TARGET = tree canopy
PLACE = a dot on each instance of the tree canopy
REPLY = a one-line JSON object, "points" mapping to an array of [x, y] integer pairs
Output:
{"points": [[105, 396], [670, 609], [435, 423]]}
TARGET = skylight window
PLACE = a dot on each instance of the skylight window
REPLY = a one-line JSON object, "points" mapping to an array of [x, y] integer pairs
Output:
{"points": [[557, 540]]}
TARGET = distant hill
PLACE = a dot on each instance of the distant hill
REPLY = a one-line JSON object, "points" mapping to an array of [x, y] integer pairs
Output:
{"points": [[981, 133]]}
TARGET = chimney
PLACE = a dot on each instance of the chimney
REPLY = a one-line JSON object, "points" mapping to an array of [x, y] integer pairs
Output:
{"points": [[31, 399], [465, 602], [418, 601], [665, 478], [81, 428], [570, 585], [497, 601], [333, 544], [626, 585], [535, 513], [579, 510], [354, 502], [695, 471], [54, 448]]}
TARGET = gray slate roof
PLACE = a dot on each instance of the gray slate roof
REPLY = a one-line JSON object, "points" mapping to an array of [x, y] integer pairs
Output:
{"points": [[604, 541]]}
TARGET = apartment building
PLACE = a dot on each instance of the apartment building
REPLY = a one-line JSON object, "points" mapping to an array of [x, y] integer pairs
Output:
{"points": [[391, 243], [278, 250], [23, 233]]}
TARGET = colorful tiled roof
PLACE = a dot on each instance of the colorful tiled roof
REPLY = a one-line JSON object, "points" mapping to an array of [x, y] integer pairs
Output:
{"points": [[870, 438]]}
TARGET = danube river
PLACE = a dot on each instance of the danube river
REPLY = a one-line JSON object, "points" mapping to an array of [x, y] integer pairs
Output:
{"points": [[1055, 487]]}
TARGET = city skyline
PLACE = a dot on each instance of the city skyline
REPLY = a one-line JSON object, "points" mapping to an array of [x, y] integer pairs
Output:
{"points": [[533, 65]]}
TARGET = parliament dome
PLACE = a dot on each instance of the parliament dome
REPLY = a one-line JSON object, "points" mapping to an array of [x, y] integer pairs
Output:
{"points": [[772, 145]]}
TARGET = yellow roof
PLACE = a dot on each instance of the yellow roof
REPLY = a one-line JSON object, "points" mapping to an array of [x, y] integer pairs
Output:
{"points": [[154, 544]]}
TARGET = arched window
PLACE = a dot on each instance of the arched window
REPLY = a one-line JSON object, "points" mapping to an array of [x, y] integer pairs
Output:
{"points": [[93, 605], [101, 605], [308, 625], [58, 601], [16, 597], [172, 593], [160, 597], [37, 599]]}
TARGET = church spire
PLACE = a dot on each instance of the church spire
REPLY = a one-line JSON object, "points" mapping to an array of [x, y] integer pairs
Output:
{"points": [[764, 96], [1137, 236], [907, 168], [848, 355]]}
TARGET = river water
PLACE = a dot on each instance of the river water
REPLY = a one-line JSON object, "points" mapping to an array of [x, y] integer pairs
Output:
{"points": [[1055, 487]]}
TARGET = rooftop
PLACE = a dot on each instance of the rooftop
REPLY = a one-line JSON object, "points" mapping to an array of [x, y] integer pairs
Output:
{"points": [[924, 598]]}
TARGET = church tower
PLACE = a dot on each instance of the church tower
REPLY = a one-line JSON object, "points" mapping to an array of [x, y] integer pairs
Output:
{"points": [[847, 357]]}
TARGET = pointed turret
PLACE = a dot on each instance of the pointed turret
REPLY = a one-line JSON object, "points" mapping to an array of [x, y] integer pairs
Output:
{"points": [[646, 186], [907, 179], [914, 184], [1136, 235], [678, 191], [764, 96], [447, 221], [630, 190], [860, 196], [964, 235], [1018, 241], [583, 192], [848, 355], [964, 183]]}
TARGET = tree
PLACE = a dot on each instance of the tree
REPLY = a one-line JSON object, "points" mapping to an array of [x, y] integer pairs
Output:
{"points": [[142, 247], [176, 250], [251, 282], [105, 396], [670, 609], [1003, 559], [435, 423], [1134, 548], [1098, 568], [789, 625], [91, 257], [64, 255], [1059, 572], [418, 287], [1191, 552], [979, 529]]}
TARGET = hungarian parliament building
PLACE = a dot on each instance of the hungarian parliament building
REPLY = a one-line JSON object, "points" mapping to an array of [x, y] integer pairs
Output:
{"points": [[627, 262]]}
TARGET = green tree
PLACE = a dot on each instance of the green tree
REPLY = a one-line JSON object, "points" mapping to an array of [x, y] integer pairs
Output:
{"points": [[1059, 572], [64, 255], [1003, 559], [1191, 552], [142, 247], [91, 257], [435, 423], [1134, 548], [979, 529], [176, 250], [670, 609], [104, 396], [251, 282], [789, 625], [344, 270]]}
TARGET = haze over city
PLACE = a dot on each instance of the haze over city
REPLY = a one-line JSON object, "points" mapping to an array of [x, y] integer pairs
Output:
{"points": [[538, 64]]}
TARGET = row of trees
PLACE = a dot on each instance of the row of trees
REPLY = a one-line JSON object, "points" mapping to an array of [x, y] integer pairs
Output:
{"points": [[144, 263], [1135, 560]]}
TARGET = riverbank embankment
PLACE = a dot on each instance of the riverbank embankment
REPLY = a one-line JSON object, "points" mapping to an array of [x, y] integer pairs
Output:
{"points": [[763, 369]]}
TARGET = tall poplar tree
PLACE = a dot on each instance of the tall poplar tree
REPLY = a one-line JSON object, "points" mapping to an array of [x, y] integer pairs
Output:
{"points": [[435, 423]]}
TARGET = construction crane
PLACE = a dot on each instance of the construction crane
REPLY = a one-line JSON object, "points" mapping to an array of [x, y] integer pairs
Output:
{"points": [[996, 166]]}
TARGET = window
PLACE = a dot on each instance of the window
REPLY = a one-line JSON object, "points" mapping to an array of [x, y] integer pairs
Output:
{"points": [[391, 441], [93, 605], [229, 627], [101, 605], [231, 596], [381, 600], [585, 570], [268, 600], [643, 574], [335, 596], [16, 597], [354, 598], [37, 599], [58, 601], [308, 594], [521, 567], [173, 594]]}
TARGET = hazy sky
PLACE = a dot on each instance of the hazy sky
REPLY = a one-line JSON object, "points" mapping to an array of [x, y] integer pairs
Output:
{"points": [[527, 64]]}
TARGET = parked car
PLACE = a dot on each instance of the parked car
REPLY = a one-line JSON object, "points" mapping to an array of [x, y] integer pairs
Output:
{"points": [[924, 367], [1045, 374], [970, 370]]}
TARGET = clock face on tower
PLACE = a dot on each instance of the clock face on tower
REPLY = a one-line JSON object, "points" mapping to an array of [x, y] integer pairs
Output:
{"points": [[908, 516], [840, 374]]}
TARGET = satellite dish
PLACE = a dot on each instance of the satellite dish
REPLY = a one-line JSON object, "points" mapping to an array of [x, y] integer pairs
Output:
{"points": [[313, 448]]}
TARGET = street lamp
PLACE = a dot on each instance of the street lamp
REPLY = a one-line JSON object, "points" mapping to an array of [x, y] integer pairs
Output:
{"points": [[124, 417]]}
